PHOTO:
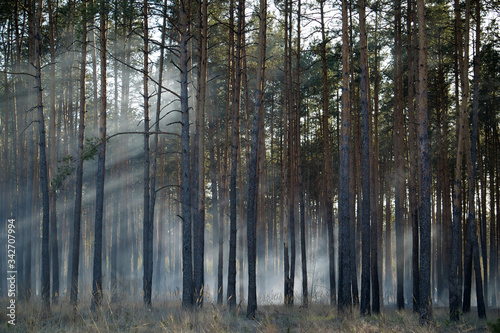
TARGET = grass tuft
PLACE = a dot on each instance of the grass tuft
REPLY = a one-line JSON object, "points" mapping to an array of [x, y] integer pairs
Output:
{"points": [[168, 316]]}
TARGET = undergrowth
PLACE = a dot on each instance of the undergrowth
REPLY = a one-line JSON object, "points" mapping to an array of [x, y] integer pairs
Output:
{"points": [[169, 316]]}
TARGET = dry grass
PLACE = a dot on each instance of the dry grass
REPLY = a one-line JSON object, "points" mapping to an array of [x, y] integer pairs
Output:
{"points": [[169, 317]]}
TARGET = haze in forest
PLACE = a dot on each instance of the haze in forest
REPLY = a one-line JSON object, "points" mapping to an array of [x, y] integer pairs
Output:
{"points": [[253, 153]]}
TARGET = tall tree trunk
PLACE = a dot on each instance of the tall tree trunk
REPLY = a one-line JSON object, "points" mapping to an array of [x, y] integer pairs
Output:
{"points": [[302, 222], [75, 250], [222, 185], [492, 237], [156, 147], [345, 297], [199, 162], [115, 173], [29, 171], [285, 159], [235, 139], [375, 189], [328, 196], [494, 225], [147, 221], [285, 164], [99, 212], [44, 182], [425, 306], [292, 162], [365, 161], [187, 257], [212, 141], [399, 181], [443, 181], [472, 247], [482, 217], [465, 90], [93, 54], [482, 299], [456, 252], [253, 176], [53, 162], [125, 212], [413, 152], [388, 237]]}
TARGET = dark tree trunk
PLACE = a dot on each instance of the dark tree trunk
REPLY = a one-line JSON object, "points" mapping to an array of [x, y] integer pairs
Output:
{"points": [[287, 166], [156, 150], [147, 237], [425, 306], [494, 224], [470, 221], [28, 171], [456, 252], [328, 196], [472, 232], [125, 215], [253, 176], [75, 250], [212, 125], [292, 170], [388, 237], [492, 237], [399, 181], [199, 160], [54, 251], [302, 222], [44, 182], [235, 138], [365, 162], [115, 175], [412, 152], [375, 190], [99, 212], [187, 257], [345, 296]]}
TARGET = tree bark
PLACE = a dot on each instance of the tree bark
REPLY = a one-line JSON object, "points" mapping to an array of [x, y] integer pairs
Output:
{"points": [[253, 176], [75, 249], [54, 251], [345, 297], [156, 150], [472, 247], [298, 108], [399, 181], [365, 161], [235, 138], [99, 215], [328, 196], [413, 152], [199, 162], [187, 257], [44, 182], [425, 306], [375, 188], [147, 219], [456, 253]]}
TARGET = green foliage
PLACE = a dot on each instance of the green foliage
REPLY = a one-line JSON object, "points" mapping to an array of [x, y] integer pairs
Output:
{"points": [[67, 164], [494, 326], [90, 148], [64, 170]]}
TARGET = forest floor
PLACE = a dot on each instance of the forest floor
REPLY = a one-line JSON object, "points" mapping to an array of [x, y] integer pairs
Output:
{"points": [[169, 317]]}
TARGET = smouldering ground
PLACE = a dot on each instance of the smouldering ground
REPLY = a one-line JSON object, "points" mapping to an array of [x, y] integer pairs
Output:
{"points": [[169, 317]]}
